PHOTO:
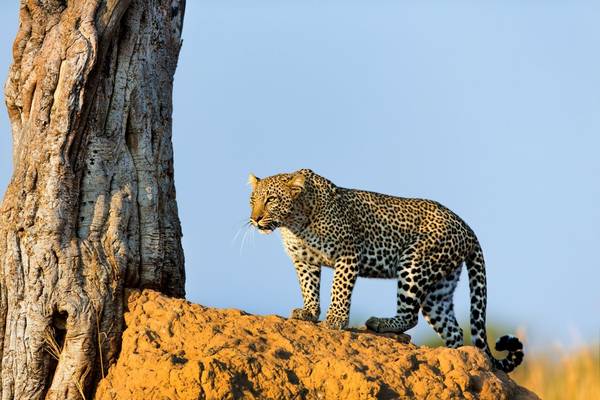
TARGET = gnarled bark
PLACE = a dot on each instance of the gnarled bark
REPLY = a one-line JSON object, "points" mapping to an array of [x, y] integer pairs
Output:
{"points": [[91, 208]]}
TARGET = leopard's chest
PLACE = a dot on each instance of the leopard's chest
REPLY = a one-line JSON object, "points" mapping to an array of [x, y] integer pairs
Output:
{"points": [[309, 248]]}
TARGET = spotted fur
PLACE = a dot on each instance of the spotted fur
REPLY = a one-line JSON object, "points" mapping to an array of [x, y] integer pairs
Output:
{"points": [[419, 242]]}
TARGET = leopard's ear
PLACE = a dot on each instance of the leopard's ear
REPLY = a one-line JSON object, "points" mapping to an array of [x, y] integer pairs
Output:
{"points": [[253, 181], [296, 184]]}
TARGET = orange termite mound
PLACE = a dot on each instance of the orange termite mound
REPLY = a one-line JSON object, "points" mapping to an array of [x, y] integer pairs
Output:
{"points": [[173, 349]]}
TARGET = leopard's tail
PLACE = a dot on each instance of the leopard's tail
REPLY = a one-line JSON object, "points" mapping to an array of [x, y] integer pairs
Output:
{"points": [[477, 286]]}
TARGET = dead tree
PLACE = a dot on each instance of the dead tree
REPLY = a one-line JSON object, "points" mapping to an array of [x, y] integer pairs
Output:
{"points": [[90, 209]]}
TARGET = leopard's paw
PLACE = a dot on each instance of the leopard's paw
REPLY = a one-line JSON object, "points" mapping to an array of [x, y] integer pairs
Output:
{"points": [[335, 322], [393, 325], [304, 315]]}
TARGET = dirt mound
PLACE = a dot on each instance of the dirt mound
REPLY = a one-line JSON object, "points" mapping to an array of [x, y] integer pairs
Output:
{"points": [[173, 349]]}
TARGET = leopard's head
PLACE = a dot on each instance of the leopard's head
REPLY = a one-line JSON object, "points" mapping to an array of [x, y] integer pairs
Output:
{"points": [[276, 200]]}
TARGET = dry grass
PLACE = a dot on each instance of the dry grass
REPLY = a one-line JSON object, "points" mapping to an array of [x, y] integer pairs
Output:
{"points": [[101, 337], [52, 346], [562, 375], [80, 384]]}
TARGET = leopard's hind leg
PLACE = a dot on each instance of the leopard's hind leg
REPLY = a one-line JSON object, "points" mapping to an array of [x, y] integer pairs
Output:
{"points": [[438, 310]]}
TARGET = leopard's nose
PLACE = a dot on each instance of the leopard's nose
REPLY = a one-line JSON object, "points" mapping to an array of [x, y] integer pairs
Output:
{"points": [[258, 218]]}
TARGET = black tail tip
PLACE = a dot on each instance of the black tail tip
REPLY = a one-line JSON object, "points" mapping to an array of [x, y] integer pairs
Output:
{"points": [[509, 343]]}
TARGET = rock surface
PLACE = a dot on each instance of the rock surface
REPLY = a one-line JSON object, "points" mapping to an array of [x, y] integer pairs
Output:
{"points": [[173, 349]]}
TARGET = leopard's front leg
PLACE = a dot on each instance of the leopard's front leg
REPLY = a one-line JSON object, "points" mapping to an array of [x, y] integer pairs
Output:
{"points": [[344, 278], [309, 277]]}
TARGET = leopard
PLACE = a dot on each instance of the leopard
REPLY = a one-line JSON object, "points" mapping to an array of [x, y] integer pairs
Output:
{"points": [[419, 242]]}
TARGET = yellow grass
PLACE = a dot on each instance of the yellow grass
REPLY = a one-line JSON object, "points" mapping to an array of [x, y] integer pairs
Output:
{"points": [[560, 376]]}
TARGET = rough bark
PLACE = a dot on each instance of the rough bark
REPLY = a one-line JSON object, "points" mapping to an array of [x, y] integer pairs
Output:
{"points": [[90, 209]]}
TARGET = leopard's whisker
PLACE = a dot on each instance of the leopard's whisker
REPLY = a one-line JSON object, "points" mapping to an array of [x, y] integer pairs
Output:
{"points": [[236, 235], [252, 235], [244, 239], [245, 225]]}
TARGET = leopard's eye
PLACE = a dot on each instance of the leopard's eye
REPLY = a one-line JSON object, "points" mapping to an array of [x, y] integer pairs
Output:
{"points": [[270, 199]]}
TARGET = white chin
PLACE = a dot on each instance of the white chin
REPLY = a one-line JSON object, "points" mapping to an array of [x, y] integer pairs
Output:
{"points": [[265, 231]]}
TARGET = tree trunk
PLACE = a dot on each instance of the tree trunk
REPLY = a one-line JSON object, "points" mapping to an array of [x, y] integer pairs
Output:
{"points": [[90, 209]]}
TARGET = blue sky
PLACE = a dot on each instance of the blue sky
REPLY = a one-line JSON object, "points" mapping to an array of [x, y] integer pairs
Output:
{"points": [[492, 109]]}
